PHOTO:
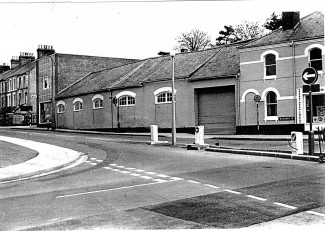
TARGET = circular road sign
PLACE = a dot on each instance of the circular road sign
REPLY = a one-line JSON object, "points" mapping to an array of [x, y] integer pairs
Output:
{"points": [[257, 98], [309, 75]]}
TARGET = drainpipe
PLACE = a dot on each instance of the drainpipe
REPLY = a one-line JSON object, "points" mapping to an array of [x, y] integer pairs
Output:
{"points": [[112, 114], [238, 99], [294, 80]]}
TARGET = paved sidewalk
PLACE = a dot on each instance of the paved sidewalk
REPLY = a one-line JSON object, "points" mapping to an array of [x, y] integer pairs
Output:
{"points": [[49, 158]]}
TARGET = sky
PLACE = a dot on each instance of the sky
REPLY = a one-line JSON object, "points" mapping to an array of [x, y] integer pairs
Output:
{"points": [[126, 28]]}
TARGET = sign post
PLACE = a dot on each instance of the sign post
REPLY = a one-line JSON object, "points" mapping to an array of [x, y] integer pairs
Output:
{"points": [[257, 99], [309, 77]]}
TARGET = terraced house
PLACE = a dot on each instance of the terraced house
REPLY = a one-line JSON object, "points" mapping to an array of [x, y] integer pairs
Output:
{"points": [[134, 96], [18, 91], [272, 66]]}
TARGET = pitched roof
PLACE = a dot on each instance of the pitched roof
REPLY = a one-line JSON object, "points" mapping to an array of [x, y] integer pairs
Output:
{"points": [[211, 63], [311, 26], [20, 70]]}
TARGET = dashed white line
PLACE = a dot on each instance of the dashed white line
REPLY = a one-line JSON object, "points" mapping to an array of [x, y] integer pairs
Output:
{"points": [[193, 181], [231, 191], [146, 177], [139, 170], [176, 178], [115, 170], [107, 168], [162, 175], [120, 166], [135, 174], [129, 168], [211, 186], [257, 198], [316, 213], [92, 158], [160, 180], [92, 163], [99, 160], [284, 205], [151, 173], [113, 164], [126, 172]]}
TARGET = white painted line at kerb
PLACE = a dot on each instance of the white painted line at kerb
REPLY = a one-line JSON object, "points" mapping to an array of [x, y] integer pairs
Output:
{"points": [[284, 205], [316, 213], [193, 181], [231, 191], [107, 190]]}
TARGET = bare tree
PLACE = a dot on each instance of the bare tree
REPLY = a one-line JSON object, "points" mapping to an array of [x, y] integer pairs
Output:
{"points": [[249, 30], [193, 41]]}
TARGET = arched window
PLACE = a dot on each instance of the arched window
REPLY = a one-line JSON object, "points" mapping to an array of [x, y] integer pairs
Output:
{"points": [[315, 59], [271, 104], [126, 100], [270, 65], [60, 108], [77, 104], [97, 103], [164, 97]]}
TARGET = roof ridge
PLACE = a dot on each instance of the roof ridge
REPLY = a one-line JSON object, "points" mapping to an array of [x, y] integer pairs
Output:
{"points": [[128, 75]]}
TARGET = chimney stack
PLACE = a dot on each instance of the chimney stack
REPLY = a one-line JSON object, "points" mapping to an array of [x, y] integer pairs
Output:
{"points": [[25, 57], [4, 67], [14, 62], [44, 50], [290, 19]]}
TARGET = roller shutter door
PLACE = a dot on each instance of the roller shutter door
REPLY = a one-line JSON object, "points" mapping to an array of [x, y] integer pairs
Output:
{"points": [[217, 110]]}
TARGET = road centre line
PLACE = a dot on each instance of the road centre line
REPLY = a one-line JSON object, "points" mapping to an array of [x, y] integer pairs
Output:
{"points": [[107, 190], [284, 205], [316, 213], [211, 186], [151, 173], [193, 181], [92, 163], [257, 198], [126, 172], [120, 166], [162, 175], [139, 170], [231, 191], [129, 168], [135, 174]]}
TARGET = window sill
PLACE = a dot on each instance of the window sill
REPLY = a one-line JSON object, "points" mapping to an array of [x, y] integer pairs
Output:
{"points": [[132, 105], [270, 77], [163, 102], [271, 118], [77, 110], [95, 108]]}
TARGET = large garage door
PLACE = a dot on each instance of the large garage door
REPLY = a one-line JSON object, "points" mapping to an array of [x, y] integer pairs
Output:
{"points": [[217, 110]]}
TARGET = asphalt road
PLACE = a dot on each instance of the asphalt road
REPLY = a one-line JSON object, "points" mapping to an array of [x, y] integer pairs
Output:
{"points": [[126, 184]]}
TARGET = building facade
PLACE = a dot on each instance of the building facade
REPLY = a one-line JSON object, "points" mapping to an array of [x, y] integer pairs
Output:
{"points": [[273, 98], [61, 70]]}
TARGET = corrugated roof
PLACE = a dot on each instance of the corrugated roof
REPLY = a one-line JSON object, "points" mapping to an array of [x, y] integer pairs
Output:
{"points": [[311, 26], [216, 62], [20, 70]]}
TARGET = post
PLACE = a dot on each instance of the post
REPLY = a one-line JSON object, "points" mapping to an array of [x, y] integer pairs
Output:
{"points": [[154, 133], [257, 118], [173, 102], [118, 115], [311, 132]]}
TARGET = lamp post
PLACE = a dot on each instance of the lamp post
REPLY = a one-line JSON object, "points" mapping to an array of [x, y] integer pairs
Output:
{"points": [[172, 55]]}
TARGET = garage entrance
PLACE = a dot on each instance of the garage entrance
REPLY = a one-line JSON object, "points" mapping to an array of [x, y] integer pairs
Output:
{"points": [[217, 109]]}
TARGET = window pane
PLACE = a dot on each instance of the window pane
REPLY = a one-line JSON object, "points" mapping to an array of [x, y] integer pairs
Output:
{"points": [[269, 59], [270, 70], [122, 100], [271, 97], [272, 110], [317, 64], [315, 53], [169, 97], [131, 100], [161, 98]]}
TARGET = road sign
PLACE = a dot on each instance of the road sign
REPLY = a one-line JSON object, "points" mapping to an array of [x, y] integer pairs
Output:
{"points": [[257, 98], [309, 76]]}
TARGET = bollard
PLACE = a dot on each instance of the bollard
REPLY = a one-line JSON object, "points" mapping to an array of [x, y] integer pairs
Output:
{"points": [[199, 135], [154, 133], [297, 143]]}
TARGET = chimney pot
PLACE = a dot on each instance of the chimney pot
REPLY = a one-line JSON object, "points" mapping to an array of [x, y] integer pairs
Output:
{"points": [[290, 19]]}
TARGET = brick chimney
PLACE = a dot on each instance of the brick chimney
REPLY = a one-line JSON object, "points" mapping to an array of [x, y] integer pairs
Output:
{"points": [[44, 50], [26, 57], [290, 19], [14, 62], [4, 67]]}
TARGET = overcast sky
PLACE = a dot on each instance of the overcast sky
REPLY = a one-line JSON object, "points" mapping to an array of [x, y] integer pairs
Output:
{"points": [[125, 29]]}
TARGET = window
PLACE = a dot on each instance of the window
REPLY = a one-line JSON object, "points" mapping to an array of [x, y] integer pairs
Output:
{"points": [[13, 99], [14, 84], [315, 59], [60, 108], [271, 104], [270, 65], [9, 100], [165, 97], [126, 101], [98, 103], [46, 83], [19, 98], [77, 106], [26, 97]]}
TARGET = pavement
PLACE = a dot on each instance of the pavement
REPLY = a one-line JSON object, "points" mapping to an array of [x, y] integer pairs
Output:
{"points": [[53, 158]]}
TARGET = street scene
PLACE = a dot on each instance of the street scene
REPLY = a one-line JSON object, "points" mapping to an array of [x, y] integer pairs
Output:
{"points": [[121, 182], [162, 115]]}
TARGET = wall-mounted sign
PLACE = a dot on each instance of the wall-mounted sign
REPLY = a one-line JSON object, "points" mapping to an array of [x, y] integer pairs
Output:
{"points": [[309, 75], [286, 118]]}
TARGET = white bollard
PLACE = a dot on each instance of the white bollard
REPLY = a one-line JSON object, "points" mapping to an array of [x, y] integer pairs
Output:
{"points": [[154, 133], [199, 135], [297, 143]]}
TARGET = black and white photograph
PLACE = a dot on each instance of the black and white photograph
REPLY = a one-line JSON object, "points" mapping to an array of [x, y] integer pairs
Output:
{"points": [[162, 115]]}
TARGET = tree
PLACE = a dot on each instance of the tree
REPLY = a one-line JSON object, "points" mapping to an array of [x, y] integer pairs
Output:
{"points": [[244, 31], [193, 41], [227, 36], [273, 22]]}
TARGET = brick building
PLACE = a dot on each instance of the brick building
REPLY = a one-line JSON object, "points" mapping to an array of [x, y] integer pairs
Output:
{"points": [[134, 96], [61, 70], [272, 67]]}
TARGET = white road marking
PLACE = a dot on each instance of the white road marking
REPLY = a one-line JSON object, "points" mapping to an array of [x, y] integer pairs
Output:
{"points": [[92, 163], [176, 178], [99, 160], [64, 136], [87, 161], [159, 180], [284, 205], [211, 186], [92, 158], [231, 191], [162, 175], [135, 174], [107, 190], [120, 166], [257, 198], [151, 173], [126, 172], [193, 181], [115, 170], [316, 213], [146, 177], [113, 164], [107, 168], [130, 168], [139, 170]]}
